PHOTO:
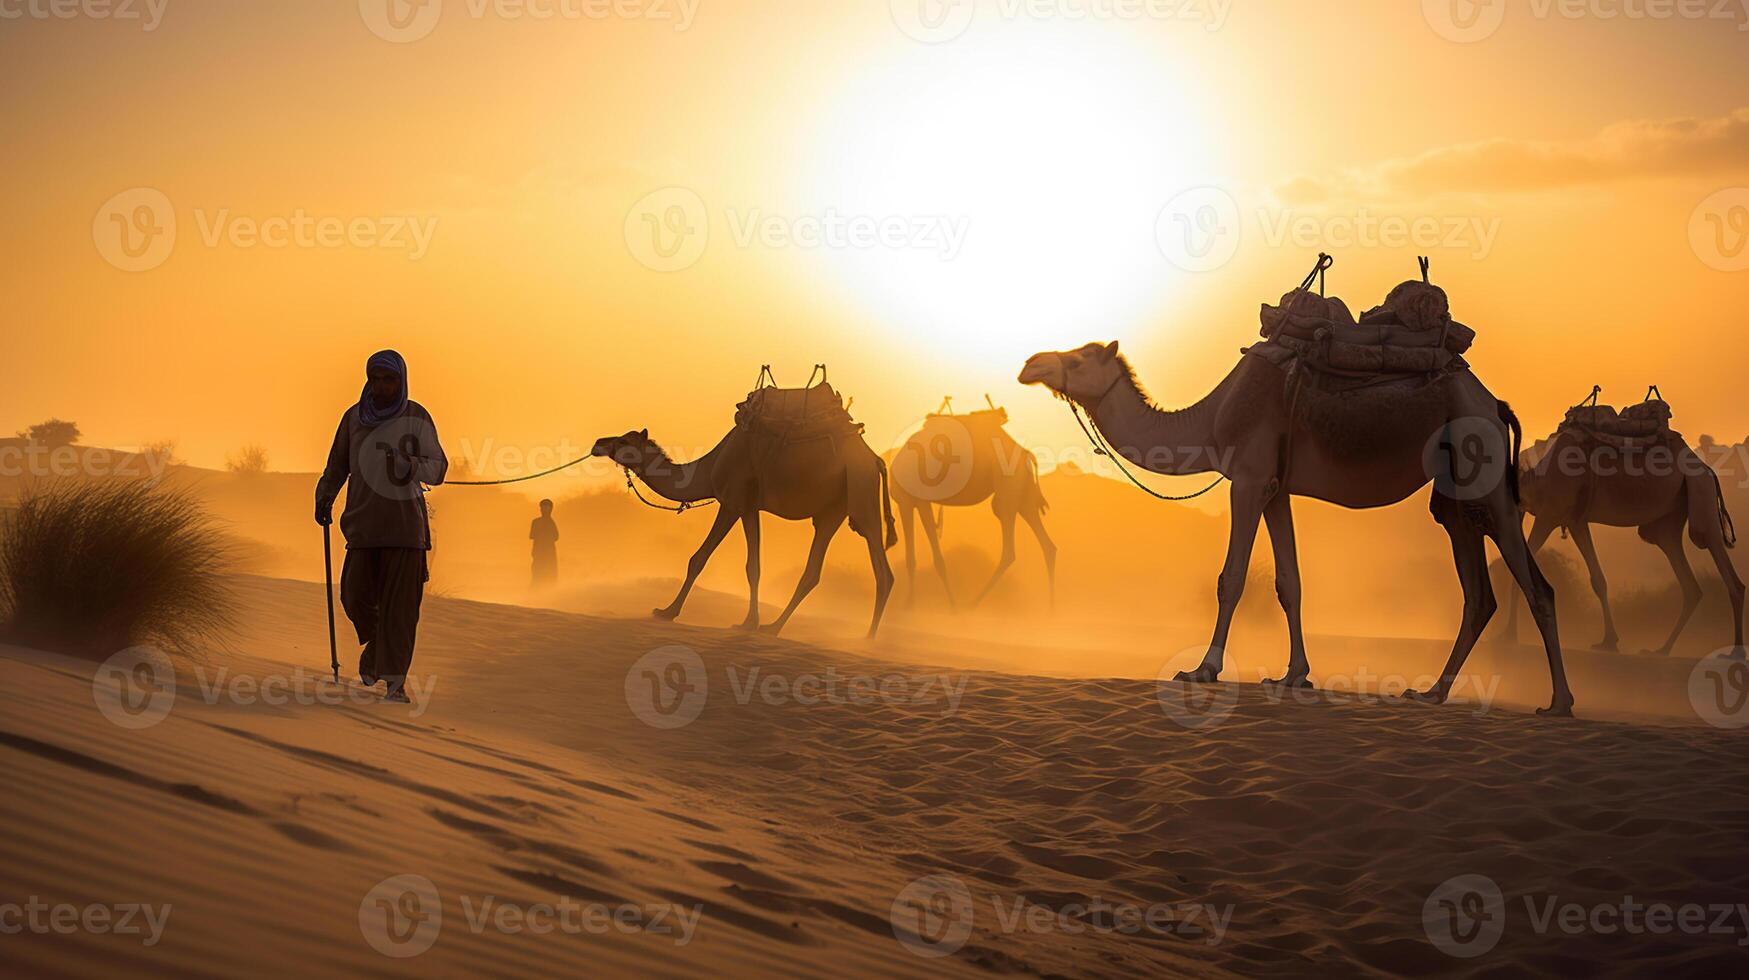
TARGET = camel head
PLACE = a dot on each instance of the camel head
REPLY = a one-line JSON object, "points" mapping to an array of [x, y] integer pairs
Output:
{"points": [[1084, 374], [634, 450]]}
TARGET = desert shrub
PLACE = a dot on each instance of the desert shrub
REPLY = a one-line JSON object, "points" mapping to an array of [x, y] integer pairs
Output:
{"points": [[92, 568], [250, 459], [53, 433], [163, 449]]}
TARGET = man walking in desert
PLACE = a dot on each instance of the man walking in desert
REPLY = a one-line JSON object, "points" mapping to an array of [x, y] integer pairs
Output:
{"points": [[385, 454]]}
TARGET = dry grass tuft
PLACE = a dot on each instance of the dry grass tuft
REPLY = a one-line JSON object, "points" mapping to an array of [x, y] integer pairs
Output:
{"points": [[92, 568]]}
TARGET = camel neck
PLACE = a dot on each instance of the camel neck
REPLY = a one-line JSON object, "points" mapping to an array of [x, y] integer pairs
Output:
{"points": [[683, 483], [1172, 442]]}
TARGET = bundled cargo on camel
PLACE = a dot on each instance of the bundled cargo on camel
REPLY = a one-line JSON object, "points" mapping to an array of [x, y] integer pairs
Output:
{"points": [[1635, 427], [1363, 382]]}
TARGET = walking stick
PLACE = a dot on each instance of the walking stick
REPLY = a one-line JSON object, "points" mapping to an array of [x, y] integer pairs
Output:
{"points": [[328, 568]]}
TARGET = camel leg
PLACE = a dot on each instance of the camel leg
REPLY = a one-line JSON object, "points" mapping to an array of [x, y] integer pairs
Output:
{"points": [[725, 519], [825, 527], [1509, 538], [1667, 535], [1247, 509], [883, 574], [1471, 559], [932, 535], [1734, 586], [1279, 517], [750, 526], [1036, 521], [1006, 516], [908, 530], [1706, 528], [1540, 529], [1582, 539]]}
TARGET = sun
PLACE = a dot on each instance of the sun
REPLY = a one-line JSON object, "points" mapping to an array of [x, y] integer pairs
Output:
{"points": [[1040, 156]]}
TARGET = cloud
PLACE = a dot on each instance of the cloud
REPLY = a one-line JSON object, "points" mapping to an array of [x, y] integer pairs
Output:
{"points": [[1622, 151]]}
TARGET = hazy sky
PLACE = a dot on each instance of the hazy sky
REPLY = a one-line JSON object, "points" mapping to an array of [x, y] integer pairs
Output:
{"points": [[579, 217]]}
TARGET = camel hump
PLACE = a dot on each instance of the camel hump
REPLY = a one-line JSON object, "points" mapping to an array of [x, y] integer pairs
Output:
{"points": [[818, 410]]}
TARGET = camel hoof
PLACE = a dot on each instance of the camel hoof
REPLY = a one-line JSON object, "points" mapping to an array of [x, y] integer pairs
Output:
{"points": [[1655, 653], [1434, 696], [666, 615], [1557, 710], [1205, 674], [771, 629], [748, 625], [1300, 682], [1607, 646]]}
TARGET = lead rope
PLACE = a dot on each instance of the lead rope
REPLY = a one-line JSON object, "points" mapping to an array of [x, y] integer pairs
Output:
{"points": [[685, 505]]}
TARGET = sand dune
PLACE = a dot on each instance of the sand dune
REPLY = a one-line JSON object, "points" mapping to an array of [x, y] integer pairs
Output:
{"points": [[805, 801]]}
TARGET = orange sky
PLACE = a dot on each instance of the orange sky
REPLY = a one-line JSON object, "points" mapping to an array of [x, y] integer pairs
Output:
{"points": [[1012, 178]]}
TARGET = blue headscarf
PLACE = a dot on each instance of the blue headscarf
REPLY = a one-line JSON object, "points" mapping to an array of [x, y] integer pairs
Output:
{"points": [[368, 412]]}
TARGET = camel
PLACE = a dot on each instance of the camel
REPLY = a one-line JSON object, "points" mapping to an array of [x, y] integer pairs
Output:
{"points": [[1380, 456], [1575, 483], [823, 480], [962, 461]]}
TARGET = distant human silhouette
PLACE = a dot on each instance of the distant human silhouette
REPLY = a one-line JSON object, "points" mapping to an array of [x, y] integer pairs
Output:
{"points": [[385, 453], [544, 532]]}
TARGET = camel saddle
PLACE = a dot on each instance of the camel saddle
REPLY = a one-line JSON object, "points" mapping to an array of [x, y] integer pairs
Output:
{"points": [[1635, 427], [796, 413], [1411, 332]]}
